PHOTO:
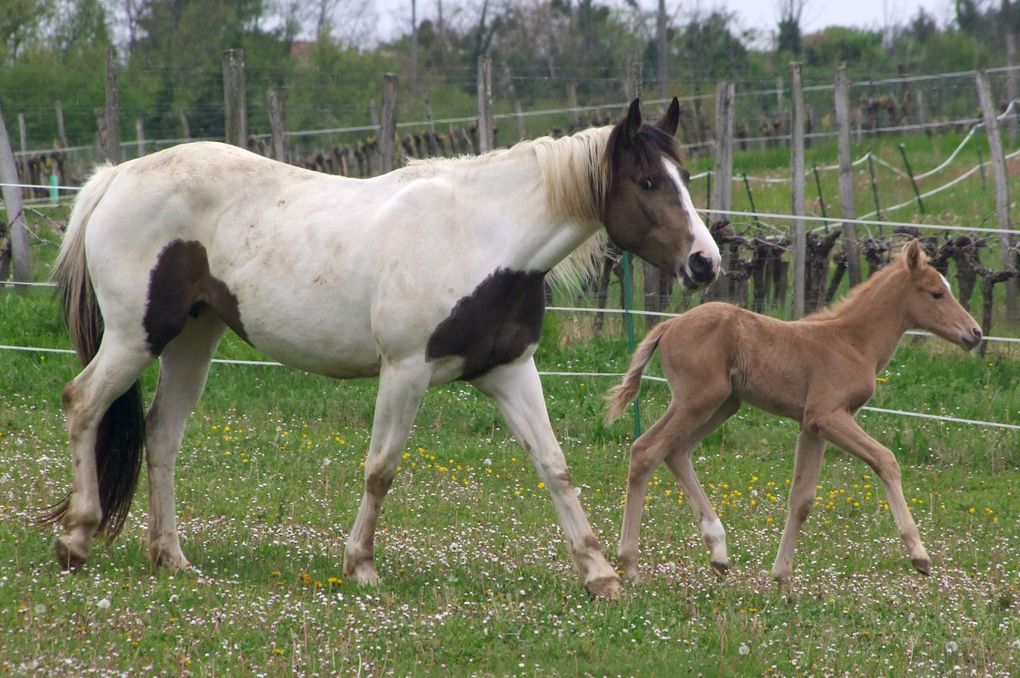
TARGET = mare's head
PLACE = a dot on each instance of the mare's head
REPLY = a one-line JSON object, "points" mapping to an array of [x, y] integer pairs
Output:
{"points": [[648, 209], [930, 304]]}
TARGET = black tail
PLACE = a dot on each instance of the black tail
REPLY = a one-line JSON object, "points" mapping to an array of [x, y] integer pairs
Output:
{"points": [[121, 432]]}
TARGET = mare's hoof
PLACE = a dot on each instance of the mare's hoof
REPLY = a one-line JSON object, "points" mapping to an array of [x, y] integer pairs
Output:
{"points": [[363, 573], [922, 565], [68, 560], [720, 568], [607, 588]]}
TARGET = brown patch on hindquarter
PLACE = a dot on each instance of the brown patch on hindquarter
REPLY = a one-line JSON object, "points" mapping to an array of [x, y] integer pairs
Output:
{"points": [[181, 286]]}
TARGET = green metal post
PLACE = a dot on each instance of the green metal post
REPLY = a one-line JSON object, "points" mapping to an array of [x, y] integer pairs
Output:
{"points": [[874, 190], [910, 173], [821, 199], [628, 323]]}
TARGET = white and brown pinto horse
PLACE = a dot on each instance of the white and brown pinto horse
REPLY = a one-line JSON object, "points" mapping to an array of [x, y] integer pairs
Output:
{"points": [[818, 371], [431, 273]]}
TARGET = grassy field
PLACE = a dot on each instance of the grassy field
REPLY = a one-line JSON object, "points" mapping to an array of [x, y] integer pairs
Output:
{"points": [[476, 575]]}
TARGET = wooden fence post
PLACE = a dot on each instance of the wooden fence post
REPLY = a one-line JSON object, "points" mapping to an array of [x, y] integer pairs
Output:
{"points": [[140, 136], [1011, 88], [484, 104], [575, 116], [388, 128], [61, 134], [998, 161], [112, 148], [277, 123], [722, 192], [797, 178], [20, 254], [846, 178], [508, 83], [182, 115], [234, 100]]}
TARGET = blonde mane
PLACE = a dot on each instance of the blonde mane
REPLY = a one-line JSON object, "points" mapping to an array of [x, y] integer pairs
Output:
{"points": [[576, 179]]}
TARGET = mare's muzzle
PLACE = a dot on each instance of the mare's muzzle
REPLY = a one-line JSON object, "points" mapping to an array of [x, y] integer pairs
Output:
{"points": [[700, 270]]}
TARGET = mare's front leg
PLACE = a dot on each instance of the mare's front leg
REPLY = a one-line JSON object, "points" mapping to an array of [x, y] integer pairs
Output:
{"points": [[842, 430], [806, 467], [517, 391], [401, 389]]}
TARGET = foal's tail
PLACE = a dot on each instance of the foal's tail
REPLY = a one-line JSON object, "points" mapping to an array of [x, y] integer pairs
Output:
{"points": [[121, 431], [619, 396]]}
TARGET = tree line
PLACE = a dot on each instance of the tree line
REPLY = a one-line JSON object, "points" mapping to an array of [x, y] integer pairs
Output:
{"points": [[321, 55]]}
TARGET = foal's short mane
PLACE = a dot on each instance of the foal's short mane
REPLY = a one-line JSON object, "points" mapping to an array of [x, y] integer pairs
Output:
{"points": [[897, 263]]}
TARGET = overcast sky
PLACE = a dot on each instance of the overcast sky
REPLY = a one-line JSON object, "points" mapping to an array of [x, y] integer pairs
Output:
{"points": [[761, 15]]}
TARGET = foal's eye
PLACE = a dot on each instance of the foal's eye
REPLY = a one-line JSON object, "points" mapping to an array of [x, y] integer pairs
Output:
{"points": [[647, 184], [937, 295]]}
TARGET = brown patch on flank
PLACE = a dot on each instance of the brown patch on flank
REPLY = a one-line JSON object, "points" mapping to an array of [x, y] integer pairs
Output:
{"points": [[494, 325], [181, 286]]}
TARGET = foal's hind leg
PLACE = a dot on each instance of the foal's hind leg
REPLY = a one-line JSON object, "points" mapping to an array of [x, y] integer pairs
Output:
{"points": [[686, 422], [842, 430], [806, 467], [183, 368], [517, 390], [112, 371], [401, 388], [679, 462]]}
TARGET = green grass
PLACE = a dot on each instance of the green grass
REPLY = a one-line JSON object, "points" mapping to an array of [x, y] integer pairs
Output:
{"points": [[476, 574]]}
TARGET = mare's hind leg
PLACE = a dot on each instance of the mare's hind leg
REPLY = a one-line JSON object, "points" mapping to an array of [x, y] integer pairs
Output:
{"points": [[183, 368], [401, 388], [844, 432], [517, 390], [112, 371], [679, 462]]}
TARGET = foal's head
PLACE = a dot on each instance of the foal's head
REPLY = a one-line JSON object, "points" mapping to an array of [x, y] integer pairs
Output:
{"points": [[648, 209], [930, 304]]}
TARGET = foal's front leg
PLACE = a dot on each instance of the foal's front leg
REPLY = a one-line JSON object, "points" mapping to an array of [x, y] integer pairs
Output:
{"points": [[842, 430], [517, 390], [401, 389]]}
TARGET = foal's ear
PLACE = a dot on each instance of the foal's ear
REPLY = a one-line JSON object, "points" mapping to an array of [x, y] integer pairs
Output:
{"points": [[633, 119], [914, 255], [670, 120]]}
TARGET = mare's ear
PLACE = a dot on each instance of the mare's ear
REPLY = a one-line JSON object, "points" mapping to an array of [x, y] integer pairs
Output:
{"points": [[670, 120], [914, 255], [633, 119]]}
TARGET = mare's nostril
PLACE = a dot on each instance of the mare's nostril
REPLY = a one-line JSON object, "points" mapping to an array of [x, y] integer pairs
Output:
{"points": [[977, 332], [700, 267]]}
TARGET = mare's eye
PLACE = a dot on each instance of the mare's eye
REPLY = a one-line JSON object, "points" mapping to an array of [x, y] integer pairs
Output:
{"points": [[686, 176], [937, 295], [648, 184]]}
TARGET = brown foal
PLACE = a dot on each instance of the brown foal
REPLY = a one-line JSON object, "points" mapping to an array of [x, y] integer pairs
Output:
{"points": [[818, 371]]}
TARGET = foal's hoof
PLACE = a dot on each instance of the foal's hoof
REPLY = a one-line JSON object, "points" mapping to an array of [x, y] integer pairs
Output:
{"points": [[922, 565], [67, 557], [720, 568], [607, 588]]}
